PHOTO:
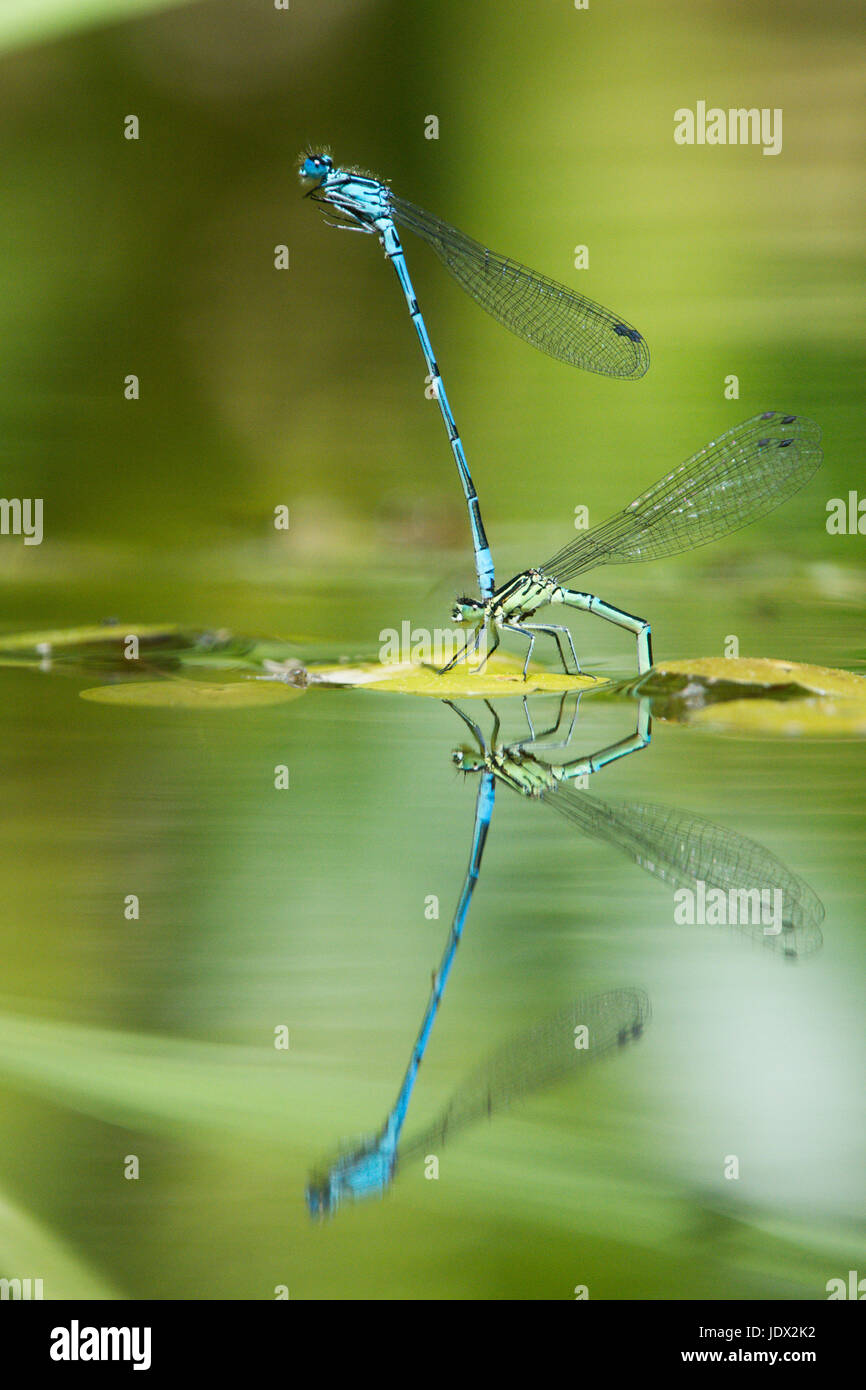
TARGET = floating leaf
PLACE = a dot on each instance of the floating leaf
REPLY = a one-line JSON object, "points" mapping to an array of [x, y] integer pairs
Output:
{"points": [[199, 695], [44, 643], [166, 647], [757, 697], [760, 672], [501, 676]]}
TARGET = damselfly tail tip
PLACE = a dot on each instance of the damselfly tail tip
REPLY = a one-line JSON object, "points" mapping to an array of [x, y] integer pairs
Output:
{"points": [[319, 1197]]}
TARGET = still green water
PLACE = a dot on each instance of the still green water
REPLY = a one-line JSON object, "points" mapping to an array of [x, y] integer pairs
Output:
{"points": [[305, 908]]}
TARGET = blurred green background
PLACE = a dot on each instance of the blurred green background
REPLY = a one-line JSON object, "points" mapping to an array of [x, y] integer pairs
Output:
{"points": [[306, 388]]}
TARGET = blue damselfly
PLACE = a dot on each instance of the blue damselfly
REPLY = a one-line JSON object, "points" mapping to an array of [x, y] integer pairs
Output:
{"points": [[557, 320]]}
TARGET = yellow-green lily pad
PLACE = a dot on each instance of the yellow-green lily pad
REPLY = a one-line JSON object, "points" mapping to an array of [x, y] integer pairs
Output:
{"points": [[762, 672], [53, 639], [758, 697], [198, 695], [501, 676]]}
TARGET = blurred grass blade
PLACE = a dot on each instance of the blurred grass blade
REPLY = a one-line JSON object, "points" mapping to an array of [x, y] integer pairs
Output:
{"points": [[29, 1250], [35, 21], [147, 1081]]}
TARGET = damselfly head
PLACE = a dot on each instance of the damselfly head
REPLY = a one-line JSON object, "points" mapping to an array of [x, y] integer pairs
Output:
{"points": [[467, 760], [468, 610], [314, 169]]}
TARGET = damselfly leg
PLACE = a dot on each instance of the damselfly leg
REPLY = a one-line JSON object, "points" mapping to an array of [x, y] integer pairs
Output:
{"points": [[469, 648], [547, 734]]}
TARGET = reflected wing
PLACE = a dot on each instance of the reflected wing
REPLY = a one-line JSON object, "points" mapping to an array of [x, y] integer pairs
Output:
{"points": [[681, 849], [535, 1059]]}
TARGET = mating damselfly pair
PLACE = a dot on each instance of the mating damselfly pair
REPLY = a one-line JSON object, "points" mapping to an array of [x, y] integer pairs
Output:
{"points": [[740, 476]]}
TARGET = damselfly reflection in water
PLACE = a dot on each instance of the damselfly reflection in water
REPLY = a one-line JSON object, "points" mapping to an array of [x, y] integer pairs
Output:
{"points": [[681, 849], [369, 1167], [586, 1030], [735, 479], [525, 1064]]}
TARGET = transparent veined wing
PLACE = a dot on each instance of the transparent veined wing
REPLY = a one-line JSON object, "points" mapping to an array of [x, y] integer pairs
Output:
{"points": [[742, 475], [551, 317]]}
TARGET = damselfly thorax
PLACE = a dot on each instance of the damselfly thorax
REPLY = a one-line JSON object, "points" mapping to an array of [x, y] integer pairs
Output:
{"points": [[363, 199], [521, 597], [523, 772], [510, 608]]}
